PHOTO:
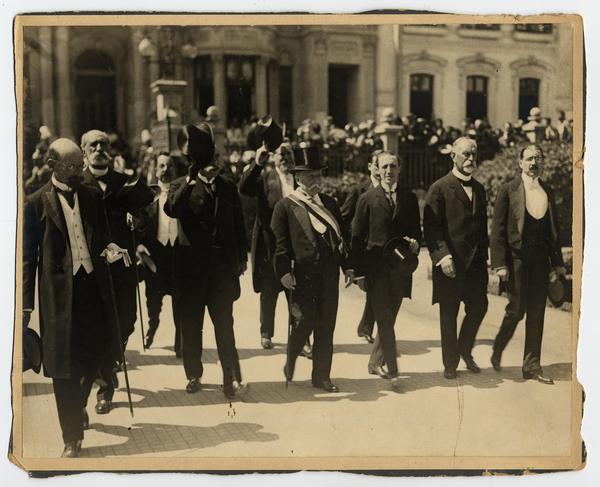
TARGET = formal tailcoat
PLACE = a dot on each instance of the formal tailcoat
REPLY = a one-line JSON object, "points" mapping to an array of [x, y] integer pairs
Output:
{"points": [[508, 222], [295, 238], [202, 216], [265, 186], [120, 199], [456, 226], [47, 251], [375, 223]]}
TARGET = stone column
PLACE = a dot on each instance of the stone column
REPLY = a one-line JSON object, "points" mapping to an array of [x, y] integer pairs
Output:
{"points": [[139, 90], [389, 136], [47, 80], [261, 86], [386, 70], [273, 90], [65, 128], [316, 77], [366, 81], [220, 91]]}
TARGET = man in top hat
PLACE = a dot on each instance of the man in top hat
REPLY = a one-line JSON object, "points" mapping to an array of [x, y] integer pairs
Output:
{"points": [[309, 249], [367, 321], [121, 196], [209, 210], [525, 250], [268, 187], [383, 213], [455, 226], [66, 237], [161, 239]]}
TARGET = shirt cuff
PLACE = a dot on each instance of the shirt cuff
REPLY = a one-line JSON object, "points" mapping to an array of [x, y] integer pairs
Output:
{"points": [[444, 259], [191, 182]]}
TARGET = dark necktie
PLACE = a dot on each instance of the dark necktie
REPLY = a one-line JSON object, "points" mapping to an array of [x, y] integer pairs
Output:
{"points": [[390, 198], [103, 178], [69, 196], [468, 183]]}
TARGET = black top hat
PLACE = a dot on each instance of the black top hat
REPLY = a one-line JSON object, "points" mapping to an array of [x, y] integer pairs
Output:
{"points": [[399, 258], [32, 351], [307, 159], [270, 133], [197, 142], [557, 291]]}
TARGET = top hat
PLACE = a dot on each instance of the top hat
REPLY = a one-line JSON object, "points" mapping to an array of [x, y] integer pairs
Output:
{"points": [[32, 351], [307, 159], [557, 291], [270, 133], [197, 142], [398, 256]]}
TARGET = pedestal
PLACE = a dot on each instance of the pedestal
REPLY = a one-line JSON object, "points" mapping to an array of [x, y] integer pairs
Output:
{"points": [[389, 136], [168, 104]]}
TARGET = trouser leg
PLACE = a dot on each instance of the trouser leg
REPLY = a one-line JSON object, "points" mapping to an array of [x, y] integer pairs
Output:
{"points": [[191, 312], [448, 312], [475, 310], [325, 326], [67, 393], [268, 303], [514, 311], [536, 309], [367, 321], [221, 314], [154, 301]]}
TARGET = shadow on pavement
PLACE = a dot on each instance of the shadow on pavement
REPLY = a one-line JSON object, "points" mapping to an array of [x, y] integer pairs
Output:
{"points": [[157, 437]]}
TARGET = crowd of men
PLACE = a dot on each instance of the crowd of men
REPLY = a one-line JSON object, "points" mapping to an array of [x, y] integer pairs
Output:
{"points": [[89, 225]]}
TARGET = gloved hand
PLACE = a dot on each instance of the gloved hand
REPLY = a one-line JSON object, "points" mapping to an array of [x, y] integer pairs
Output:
{"points": [[288, 281]]}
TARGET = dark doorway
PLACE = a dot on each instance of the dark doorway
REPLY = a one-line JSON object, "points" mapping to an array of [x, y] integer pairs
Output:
{"points": [[286, 107], [421, 95], [477, 92], [96, 92], [203, 84], [339, 83], [239, 82], [529, 96]]}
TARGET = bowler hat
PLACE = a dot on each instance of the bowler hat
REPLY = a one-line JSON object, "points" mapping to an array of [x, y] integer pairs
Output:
{"points": [[307, 158], [32, 351], [399, 258], [197, 142], [557, 290], [270, 133]]}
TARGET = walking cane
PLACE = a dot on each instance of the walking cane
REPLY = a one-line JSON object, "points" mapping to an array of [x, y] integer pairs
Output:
{"points": [[137, 285], [118, 336], [290, 320]]}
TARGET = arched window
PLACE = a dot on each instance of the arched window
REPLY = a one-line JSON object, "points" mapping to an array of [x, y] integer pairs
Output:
{"points": [[421, 95], [477, 92], [529, 96]]}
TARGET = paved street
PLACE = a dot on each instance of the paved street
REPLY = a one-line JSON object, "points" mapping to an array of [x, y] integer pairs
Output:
{"points": [[490, 413]]}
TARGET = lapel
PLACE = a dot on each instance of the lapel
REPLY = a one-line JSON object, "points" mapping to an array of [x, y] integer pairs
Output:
{"points": [[54, 210], [86, 213], [382, 200], [301, 215], [154, 212], [517, 202], [88, 178], [460, 192]]}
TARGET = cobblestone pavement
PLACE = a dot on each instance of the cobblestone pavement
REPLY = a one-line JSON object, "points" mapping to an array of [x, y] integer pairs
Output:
{"points": [[489, 413]]}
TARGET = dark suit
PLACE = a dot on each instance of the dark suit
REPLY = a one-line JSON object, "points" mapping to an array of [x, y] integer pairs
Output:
{"points": [[120, 199], [316, 269], [457, 226], [77, 320], [527, 248], [375, 223], [209, 275], [367, 320], [168, 262], [265, 186]]}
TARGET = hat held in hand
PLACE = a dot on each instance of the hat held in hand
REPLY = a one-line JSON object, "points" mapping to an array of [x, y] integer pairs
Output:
{"points": [[197, 142], [32, 351], [398, 256], [270, 132]]}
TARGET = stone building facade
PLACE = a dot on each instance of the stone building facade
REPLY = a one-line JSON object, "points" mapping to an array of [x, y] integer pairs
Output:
{"points": [[82, 77]]}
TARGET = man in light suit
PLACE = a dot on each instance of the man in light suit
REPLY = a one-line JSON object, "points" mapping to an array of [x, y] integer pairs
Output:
{"points": [[455, 226], [525, 250]]}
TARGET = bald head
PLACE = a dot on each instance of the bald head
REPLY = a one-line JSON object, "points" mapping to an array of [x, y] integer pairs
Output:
{"points": [[95, 145], [464, 155], [67, 161]]}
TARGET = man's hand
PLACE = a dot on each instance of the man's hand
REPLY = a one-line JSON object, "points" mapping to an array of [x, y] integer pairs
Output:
{"points": [[288, 281], [113, 253], [348, 277], [448, 268], [262, 155], [502, 274], [26, 318], [413, 245]]}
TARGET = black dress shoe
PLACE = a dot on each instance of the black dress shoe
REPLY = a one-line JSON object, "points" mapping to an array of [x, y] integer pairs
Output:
{"points": [[496, 363], [86, 420], [193, 385], [266, 343], [103, 406], [380, 371], [367, 337], [450, 374], [327, 386], [72, 449], [470, 363], [288, 373], [148, 340], [539, 377], [236, 389]]}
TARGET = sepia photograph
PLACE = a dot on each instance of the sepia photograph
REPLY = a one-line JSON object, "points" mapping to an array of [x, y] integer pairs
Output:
{"points": [[274, 242]]}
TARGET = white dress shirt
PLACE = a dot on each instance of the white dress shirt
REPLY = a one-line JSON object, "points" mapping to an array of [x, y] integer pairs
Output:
{"points": [[80, 253], [287, 183], [536, 199], [461, 176], [167, 226]]}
